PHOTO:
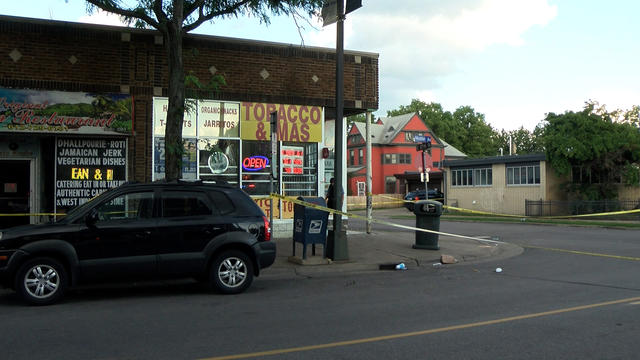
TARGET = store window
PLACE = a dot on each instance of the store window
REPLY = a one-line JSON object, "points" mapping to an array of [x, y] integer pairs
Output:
{"points": [[218, 160], [299, 169], [256, 167]]}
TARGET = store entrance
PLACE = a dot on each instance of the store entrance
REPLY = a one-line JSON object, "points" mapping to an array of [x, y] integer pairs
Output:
{"points": [[15, 183]]}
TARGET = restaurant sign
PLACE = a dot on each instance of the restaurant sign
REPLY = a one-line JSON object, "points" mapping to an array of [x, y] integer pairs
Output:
{"points": [[60, 112]]}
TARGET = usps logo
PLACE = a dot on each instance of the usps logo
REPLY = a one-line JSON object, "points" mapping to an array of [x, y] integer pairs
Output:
{"points": [[315, 226], [299, 223]]}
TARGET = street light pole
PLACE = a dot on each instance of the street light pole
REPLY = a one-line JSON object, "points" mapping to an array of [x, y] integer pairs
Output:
{"points": [[339, 239]]}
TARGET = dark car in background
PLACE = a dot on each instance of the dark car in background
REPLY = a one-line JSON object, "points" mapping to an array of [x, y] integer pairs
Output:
{"points": [[420, 194], [211, 232]]}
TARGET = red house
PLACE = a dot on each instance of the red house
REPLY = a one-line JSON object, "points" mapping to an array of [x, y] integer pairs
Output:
{"points": [[395, 162]]}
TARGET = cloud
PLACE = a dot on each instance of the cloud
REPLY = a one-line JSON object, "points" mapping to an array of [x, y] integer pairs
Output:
{"points": [[422, 41], [102, 18]]}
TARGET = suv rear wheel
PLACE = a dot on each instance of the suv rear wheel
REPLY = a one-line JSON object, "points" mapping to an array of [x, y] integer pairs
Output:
{"points": [[231, 272], [41, 281]]}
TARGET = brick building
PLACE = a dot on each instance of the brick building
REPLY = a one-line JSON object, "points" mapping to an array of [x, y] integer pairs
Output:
{"points": [[82, 109]]}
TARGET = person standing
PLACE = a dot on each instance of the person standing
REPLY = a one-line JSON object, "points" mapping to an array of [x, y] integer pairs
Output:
{"points": [[331, 195]]}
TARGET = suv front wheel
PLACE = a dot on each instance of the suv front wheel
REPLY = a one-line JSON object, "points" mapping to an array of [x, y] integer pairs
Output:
{"points": [[41, 281], [231, 272]]}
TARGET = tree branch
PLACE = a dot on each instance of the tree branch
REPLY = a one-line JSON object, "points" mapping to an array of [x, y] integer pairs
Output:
{"points": [[110, 7], [188, 9], [206, 17], [157, 9]]}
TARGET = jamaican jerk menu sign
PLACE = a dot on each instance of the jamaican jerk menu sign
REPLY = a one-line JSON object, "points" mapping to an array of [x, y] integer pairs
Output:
{"points": [[85, 167]]}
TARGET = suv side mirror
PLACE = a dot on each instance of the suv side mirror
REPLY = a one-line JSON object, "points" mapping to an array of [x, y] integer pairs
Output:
{"points": [[92, 218]]}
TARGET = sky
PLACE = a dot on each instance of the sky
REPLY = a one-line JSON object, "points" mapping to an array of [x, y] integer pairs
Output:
{"points": [[511, 60]]}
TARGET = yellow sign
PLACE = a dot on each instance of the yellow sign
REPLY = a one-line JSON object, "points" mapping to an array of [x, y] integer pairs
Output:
{"points": [[296, 123], [287, 207]]}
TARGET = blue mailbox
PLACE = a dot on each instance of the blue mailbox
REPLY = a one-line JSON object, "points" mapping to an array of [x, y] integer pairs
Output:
{"points": [[310, 225]]}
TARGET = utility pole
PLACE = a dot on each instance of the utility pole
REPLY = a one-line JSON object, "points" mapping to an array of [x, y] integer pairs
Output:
{"points": [[369, 179], [340, 247]]}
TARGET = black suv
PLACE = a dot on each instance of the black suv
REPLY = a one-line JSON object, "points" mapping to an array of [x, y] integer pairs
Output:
{"points": [[419, 194], [215, 233]]}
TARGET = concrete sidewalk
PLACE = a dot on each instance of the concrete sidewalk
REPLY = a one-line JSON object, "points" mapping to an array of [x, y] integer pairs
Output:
{"points": [[368, 251]]}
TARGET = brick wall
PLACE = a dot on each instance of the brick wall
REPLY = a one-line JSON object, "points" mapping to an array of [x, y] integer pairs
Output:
{"points": [[65, 56]]}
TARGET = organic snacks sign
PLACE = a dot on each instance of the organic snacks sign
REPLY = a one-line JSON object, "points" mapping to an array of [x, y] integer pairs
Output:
{"points": [[85, 167], [296, 123], [33, 111]]}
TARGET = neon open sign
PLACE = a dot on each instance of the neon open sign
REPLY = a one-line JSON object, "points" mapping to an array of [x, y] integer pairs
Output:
{"points": [[255, 163]]}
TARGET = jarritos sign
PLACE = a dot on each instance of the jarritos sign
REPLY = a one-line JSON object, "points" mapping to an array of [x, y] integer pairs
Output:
{"points": [[65, 112], [296, 123]]}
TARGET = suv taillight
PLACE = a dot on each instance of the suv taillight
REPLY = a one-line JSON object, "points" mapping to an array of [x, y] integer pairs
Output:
{"points": [[267, 229]]}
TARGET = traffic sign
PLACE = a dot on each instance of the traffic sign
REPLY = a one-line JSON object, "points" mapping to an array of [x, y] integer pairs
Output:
{"points": [[421, 139]]}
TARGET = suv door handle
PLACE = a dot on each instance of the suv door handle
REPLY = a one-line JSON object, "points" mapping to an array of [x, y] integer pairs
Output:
{"points": [[144, 234], [210, 229]]}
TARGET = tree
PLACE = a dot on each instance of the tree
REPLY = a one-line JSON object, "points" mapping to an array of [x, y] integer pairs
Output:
{"points": [[438, 120], [174, 19], [596, 150], [524, 141], [465, 129], [474, 137]]}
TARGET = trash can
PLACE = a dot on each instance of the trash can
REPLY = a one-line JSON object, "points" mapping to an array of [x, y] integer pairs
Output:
{"points": [[310, 225], [428, 214]]}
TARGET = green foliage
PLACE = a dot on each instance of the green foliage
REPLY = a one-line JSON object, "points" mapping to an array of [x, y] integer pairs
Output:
{"points": [[522, 140], [465, 129], [607, 151], [173, 19]]}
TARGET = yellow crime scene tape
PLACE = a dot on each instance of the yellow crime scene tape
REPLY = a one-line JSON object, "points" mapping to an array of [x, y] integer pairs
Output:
{"points": [[377, 221], [478, 212], [34, 214]]}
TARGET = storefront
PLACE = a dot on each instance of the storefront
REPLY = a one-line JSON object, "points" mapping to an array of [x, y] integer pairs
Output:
{"points": [[96, 107], [58, 150], [226, 141]]}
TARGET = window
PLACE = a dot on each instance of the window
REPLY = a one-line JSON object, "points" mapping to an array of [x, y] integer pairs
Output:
{"points": [[127, 207], [472, 177], [184, 203], [586, 175], [219, 159], [351, 157], [361, 156], [223, 204], [396, 158], [523, 175]]}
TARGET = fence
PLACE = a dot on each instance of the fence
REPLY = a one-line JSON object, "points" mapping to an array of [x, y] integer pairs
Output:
{"points": [[577, 207], [379, 201]]}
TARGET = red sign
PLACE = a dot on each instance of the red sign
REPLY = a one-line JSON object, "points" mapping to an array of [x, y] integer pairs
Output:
{"points": [[255, 163]]}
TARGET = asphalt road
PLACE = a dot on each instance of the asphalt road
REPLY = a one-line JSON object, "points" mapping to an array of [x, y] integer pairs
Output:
{"points": [[547, 303]]}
